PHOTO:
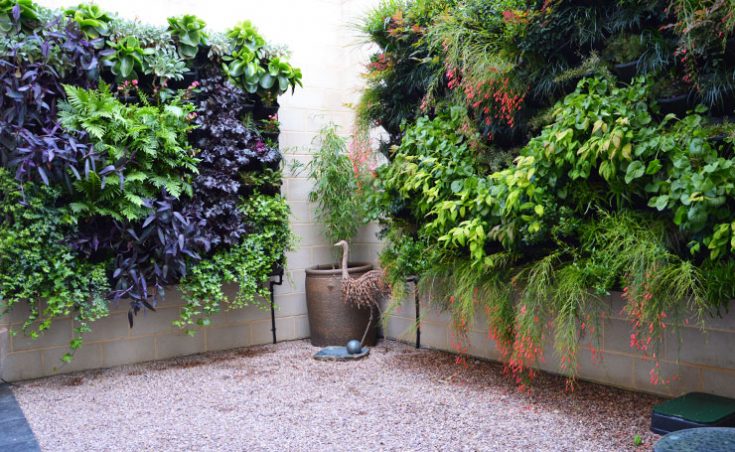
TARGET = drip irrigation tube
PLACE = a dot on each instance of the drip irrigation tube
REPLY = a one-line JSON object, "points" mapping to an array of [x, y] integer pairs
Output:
{"points": [[272, 283], [414, 280]]}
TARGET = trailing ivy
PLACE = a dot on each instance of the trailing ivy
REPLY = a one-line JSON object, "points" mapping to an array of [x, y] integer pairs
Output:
{"points": [[37, 268], [248, 263]]}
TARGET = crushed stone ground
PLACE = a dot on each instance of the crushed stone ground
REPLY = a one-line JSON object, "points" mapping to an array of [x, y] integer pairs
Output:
{"points": [[276, 397]]}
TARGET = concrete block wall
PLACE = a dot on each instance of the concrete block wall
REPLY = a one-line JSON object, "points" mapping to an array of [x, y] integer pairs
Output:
{"points": [[692, 359], [112, 342]]}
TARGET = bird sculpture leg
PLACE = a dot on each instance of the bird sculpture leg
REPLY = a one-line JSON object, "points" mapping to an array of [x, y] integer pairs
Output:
{"points": [[370, 323]]}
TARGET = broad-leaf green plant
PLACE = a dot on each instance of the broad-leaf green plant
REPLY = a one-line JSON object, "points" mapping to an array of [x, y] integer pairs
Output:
{"points": [[188, 31], [18, 15], [251, 66], [93, 21], [126, 58], [38, 269]]}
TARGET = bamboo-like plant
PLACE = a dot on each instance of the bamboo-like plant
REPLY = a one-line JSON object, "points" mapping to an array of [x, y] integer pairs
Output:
{"points": [[336, 192]]}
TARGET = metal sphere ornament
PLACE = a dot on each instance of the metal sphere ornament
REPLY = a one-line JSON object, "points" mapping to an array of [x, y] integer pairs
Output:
{"points": [[354, 347]]}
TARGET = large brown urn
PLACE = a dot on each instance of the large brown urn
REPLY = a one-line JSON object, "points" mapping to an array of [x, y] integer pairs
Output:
{"points": [[332, 321]]}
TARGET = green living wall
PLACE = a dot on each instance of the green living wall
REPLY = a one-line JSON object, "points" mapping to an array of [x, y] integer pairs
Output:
{"points": [[545, 153], [136, 157]]}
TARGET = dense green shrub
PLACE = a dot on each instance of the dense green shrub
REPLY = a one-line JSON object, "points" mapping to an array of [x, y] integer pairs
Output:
{"points": [[130, 162], [249, 263], [189, 33], [38, 268]]}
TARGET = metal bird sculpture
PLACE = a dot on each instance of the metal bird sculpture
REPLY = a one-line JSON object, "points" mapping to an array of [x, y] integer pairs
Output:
{"points": [[368, 290]]}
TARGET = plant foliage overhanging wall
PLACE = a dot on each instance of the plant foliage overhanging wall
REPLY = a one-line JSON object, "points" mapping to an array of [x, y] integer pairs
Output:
{"points": [[545, 153], [135, 157]]}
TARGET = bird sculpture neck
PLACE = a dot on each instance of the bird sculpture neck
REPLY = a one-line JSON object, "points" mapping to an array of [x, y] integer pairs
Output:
{"points": [[345, 254]]}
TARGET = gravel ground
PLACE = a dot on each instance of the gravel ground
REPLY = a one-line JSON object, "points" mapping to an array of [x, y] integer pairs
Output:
{"points": [[276, 397]]}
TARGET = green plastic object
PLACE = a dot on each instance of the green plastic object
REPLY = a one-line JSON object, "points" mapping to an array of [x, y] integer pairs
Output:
{"points": [[698, 407]]}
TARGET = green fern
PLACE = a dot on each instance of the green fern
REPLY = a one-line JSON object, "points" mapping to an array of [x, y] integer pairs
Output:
{"points": [[150, 140]]}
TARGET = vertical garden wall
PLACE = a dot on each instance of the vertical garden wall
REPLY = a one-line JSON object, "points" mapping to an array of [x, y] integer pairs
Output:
{"points": [[544, 155], [136, 158], [321, 46]]}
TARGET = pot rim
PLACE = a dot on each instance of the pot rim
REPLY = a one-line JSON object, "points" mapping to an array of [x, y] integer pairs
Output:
{"points": [[674, 98], [327, 270], [627, 64]]}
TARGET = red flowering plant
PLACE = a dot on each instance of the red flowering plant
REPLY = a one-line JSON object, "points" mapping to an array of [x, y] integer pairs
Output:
{"points": [[527, 351], [363, 159], [458, 339], [480, 54], [401, 71], [530, 321], [651, 305], [706, 49], [494, 97], [645, 330], [124, 88], [703, 24], [379, 63], [132, 91], [271, 125], [495, 102], [397, 25]]}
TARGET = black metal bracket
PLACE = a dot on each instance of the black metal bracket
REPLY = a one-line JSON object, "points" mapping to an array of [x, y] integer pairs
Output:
{"points": [[272, 283], [415, 280]]}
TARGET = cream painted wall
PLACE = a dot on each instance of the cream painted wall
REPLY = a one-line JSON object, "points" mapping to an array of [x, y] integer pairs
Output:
{"points": [[326, 47]]}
